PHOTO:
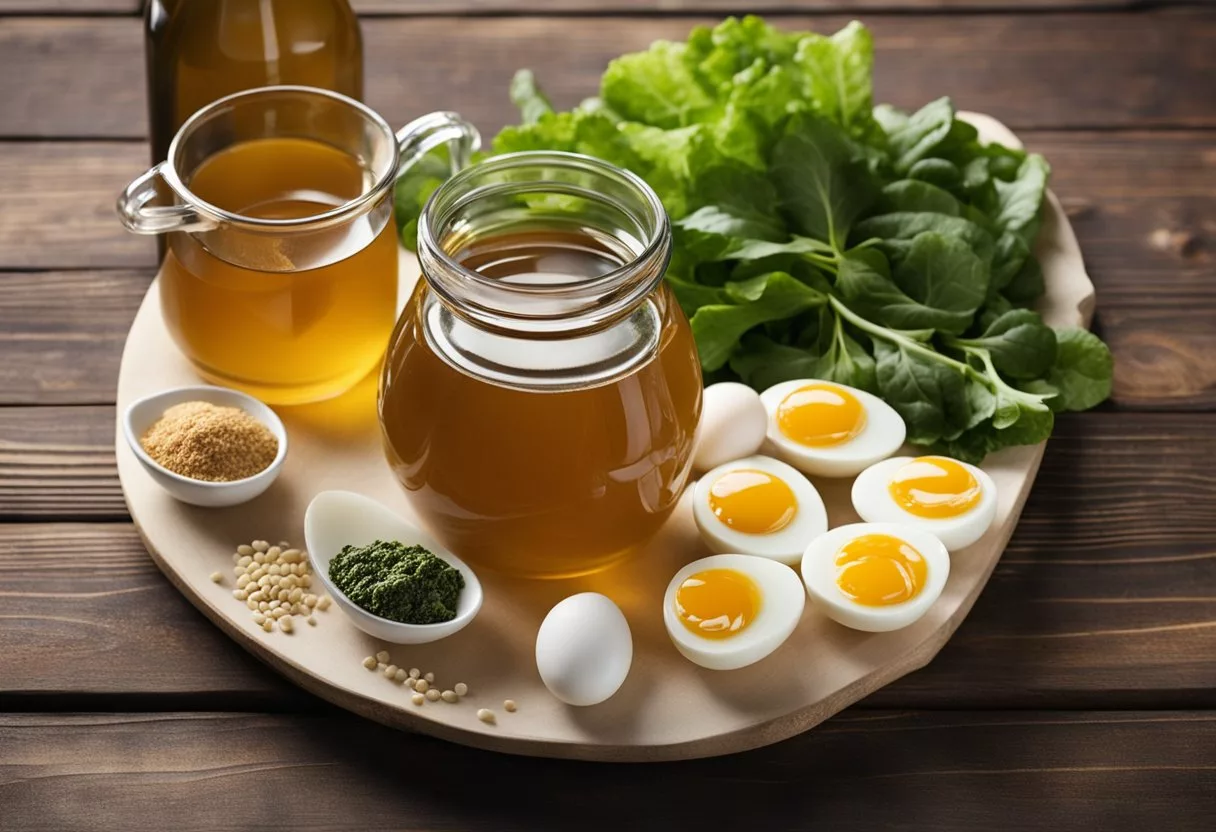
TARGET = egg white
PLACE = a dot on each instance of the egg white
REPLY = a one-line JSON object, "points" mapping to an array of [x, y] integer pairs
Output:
{"points": [[883, 434], [873, 502], [785, 545], [819, 573], [733, 425], [782, 600]]}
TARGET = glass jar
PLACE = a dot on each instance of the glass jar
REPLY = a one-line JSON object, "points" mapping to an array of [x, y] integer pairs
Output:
{"points": [[282, 271], [541, 420]]}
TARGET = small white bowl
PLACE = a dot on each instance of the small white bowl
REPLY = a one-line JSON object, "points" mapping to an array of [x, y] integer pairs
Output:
{"points": [[342, 518], [143, 413]]}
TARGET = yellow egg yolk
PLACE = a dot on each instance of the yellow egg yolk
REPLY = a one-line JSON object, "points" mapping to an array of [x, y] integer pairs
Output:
{"points": [[821, 415], [753, 502], [878, 570], [935, 487], [717, 603]]}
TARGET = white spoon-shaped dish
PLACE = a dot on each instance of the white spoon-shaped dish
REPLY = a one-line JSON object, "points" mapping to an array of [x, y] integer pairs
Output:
{"points": [[342, 518]]}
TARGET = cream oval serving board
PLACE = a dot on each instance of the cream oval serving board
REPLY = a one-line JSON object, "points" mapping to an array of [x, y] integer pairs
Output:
{"points": [[667, 708]]}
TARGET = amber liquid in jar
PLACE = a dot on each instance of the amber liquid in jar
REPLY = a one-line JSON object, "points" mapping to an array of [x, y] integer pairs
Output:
{"points": [[283, 336], [536, 483]]}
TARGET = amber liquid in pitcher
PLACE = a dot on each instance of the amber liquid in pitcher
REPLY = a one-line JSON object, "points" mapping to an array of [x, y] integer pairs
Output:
{"points": [[291, 336], [539, 483]]}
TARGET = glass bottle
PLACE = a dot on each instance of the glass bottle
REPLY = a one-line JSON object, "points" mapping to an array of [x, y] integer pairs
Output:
{"points": [[201, 50]]}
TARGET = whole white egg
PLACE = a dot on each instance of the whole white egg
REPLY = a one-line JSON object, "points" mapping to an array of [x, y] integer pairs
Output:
{"points": [[954, 501], [733, 425], [584, 649], [728, 611], [865, 601], [829, 429], [758, 506]]}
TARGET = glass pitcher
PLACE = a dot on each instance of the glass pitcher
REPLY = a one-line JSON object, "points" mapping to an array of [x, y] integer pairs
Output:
{"points": [[281, 275], [541, 392]]}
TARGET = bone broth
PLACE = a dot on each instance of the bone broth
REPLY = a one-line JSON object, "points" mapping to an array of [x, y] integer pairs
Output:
{"points": [[283, 334], [541, 482]]}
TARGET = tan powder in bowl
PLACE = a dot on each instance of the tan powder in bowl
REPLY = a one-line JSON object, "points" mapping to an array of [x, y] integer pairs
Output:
{"points": [[208, 442]]}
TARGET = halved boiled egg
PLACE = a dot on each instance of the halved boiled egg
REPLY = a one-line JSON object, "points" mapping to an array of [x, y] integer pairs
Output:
{"points": [[758, 506], [875, 576], [728, 611], [829, 429], [952, 500]]}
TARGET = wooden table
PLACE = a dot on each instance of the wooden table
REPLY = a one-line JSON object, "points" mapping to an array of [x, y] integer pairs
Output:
{"points": [[1078, 695]]}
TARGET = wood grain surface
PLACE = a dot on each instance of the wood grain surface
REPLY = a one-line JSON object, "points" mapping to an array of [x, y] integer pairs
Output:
{"points": [[1065, 78], [950, 772], [448, 7], [1105, 598]]}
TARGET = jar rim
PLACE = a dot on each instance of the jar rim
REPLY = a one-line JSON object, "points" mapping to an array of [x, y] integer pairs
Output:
{"points": [[459, 192], [335, 216]]}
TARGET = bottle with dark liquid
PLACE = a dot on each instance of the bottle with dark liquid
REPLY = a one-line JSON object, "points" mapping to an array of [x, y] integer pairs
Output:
{"points": [[200, 51]]}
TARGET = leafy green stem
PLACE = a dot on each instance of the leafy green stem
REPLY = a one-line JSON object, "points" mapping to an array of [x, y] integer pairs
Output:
{"points": [[908, 339]]}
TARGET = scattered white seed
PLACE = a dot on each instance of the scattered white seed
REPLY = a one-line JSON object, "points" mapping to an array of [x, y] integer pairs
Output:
{"points": [[411, 682], [383, 657], [260, 546], [486, 716], [418, 698], [415, 673], [216, 577], [370, 662], [268, 625], [283, 544], [399, 676], [509, 706], [258, 618], [240, 595], [432, 695], [285, 624], [390, 671], [312, 621], [461, 689], [430, 677], [245, 550], [422, 685], [449, 696]]}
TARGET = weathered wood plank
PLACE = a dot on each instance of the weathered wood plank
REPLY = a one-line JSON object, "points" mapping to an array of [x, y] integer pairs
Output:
{"points": [[69, 6], [766, 7], [1105, 597], [62, 333], [87, 615], [58, 462], [402, 7], [57, 206], [1031, 71], [942, 771]]}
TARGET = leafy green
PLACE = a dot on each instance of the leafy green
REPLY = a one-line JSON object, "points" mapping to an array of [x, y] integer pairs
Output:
{"points": [[821, 178], [1082, 371], [767, 297], [818, 235]]}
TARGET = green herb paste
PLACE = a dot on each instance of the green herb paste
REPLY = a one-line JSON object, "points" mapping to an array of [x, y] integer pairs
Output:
{"points": [[398, 582]]}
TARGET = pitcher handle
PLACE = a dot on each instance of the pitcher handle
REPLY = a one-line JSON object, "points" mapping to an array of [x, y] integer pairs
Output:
{"points": [[138, 216], [422, 135]]}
